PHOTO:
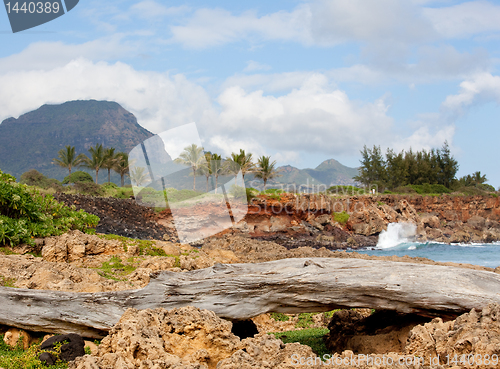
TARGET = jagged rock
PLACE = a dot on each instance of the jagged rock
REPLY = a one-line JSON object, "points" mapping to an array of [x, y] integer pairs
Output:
{"points": [[266, 352], [430, 220], [169, 248], [460, 237], [74, 245], [187, 338], [490, 236], [477, 222], [180, 338], [324, 219], [279, 224], [474, 333]]}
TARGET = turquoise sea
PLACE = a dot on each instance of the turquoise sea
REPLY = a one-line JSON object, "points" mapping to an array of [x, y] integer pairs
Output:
{"points": [[398, 240], [477, 254]]}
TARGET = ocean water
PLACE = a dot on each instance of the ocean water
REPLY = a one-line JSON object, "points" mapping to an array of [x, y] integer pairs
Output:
{"points": [[397, 240]]}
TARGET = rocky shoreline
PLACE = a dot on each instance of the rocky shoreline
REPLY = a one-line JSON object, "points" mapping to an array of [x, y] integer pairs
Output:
{"points": [[309, 220], [77, 262]]}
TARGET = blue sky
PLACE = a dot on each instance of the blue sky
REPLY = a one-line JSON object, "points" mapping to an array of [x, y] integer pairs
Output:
{"points": [[303, 81]]}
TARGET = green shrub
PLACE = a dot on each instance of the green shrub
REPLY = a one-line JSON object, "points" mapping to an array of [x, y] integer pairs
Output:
{"points": [[89, 188], [78, 176], [25, 214], [273, 191], [427, 188], [32, 178], [35, 178], [486, 187], [404, 190], [341, 218], [110, 185]]}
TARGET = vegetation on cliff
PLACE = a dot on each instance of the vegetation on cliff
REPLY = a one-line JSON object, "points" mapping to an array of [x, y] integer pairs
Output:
{"points": [[26, 214]]}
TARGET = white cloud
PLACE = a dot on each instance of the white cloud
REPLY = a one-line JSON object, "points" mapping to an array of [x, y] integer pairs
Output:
{"points": [[315, 117], [465, 19], [312, 118], [225, 145], [480, 88], [48, 55], [158, 100], [214, 27], [425, 138], [318, 22], [336, 21]]}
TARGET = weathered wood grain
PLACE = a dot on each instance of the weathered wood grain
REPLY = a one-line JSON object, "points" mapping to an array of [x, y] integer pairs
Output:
{"points": [[240, 291]]}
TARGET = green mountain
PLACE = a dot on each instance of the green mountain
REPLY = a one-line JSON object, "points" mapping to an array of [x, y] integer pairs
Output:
{"points": [[33, 140], [329, 173]]}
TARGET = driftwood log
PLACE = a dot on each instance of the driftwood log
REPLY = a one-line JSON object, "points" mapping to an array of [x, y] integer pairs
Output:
{"points": [[241, 291]]}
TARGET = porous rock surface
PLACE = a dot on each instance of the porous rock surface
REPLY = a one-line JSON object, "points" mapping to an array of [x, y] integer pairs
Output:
{"points": [[475, 334], [185, 338]]}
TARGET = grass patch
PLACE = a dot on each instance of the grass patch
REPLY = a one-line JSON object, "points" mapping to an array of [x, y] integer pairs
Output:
{"points": [[280, 317], [7, 282], [312, 337], [114, 269], [17, 358], [7, 251]]}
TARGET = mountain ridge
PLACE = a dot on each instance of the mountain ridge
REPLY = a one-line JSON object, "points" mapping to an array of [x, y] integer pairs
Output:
{"points": [[33, 140]]}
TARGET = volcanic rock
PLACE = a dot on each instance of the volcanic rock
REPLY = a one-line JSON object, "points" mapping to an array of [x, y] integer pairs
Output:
{"points": [[185, 338]]}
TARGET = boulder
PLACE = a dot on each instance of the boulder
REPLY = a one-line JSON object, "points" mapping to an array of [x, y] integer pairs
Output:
{"points": [[430, 220], [279, 224], [477, 222], [74, 245], [460, 237], [14, 335], [71, 347]]}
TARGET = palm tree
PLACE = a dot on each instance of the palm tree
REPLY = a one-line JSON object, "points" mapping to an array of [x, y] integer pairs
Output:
{"points": [[96, 161], [194, 157], [266, 170], [68, 158], [241, 161], [217, 168], [109, 161], [206, 168], [478, 178], [138, 176], [232, 165], [122, 166]]}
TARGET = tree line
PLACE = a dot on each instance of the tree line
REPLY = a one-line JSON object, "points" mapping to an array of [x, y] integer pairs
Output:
{"points": [[100, 158], [211, 164], [202, 163], [435, 167]]}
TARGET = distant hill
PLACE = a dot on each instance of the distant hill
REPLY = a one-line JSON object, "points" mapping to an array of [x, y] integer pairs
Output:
{"points": [[329, 173], [33, 140]]}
